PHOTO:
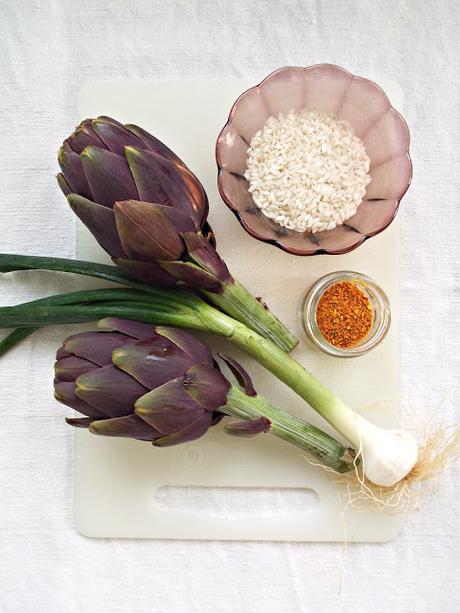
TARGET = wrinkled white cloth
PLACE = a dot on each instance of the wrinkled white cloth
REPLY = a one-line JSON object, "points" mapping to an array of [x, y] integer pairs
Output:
{"points": [[48, 49]]}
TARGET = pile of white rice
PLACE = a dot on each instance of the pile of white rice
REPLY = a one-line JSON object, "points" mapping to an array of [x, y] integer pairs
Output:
{"points": [[307, 170]]}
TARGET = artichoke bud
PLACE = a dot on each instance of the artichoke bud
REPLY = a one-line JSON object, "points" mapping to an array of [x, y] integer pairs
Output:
{"points": [[157, 384], [132, 380], [248, 428], [104, 162]]}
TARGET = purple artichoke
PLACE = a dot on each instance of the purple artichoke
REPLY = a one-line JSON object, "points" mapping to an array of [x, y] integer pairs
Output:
{"points": [[142, 204], [162, 385], [153, 384], [149, 211]]}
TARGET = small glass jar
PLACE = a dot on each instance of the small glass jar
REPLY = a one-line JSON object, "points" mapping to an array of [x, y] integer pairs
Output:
{"points": [[381, 315]]}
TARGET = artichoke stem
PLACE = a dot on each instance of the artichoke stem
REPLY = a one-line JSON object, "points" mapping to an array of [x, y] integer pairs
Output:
{"points": [[291, 429], [236, 301]]}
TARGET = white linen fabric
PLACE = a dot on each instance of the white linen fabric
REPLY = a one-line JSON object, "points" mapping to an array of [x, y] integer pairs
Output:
{"points": [[48, 49]]}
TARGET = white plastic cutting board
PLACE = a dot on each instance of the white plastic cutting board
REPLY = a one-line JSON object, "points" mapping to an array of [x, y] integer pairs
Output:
{"points": [[116, 480]]}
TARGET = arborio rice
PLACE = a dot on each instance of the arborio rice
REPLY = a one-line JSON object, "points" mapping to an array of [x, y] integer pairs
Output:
{"points": [[307, 170]]}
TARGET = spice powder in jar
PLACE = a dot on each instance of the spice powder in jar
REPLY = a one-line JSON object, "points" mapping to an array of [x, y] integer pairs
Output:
{"points": [[344, 314]]}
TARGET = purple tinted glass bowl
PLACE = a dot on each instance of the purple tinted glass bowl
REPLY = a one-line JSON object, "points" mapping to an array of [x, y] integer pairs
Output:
{"points": [[332, 89]]}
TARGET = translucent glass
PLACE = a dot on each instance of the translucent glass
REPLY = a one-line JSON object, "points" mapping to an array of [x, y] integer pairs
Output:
{"points": [[380, 309], [332, 89]]}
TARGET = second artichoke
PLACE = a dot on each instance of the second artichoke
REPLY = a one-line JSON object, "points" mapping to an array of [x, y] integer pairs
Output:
{"points": [[162, 385]]}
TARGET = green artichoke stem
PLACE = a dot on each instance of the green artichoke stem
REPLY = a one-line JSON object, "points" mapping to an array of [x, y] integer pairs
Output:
{"points": [[291, 429], [236, 301]]}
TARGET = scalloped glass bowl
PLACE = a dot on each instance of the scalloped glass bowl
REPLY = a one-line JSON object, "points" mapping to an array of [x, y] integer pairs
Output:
{"points": [[332, 89]]}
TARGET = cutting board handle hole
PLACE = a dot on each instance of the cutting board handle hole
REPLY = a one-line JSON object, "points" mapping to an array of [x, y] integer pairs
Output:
{"points": [[235, 502]]}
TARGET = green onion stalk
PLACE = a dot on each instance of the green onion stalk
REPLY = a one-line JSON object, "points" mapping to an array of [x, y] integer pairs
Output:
{"points": [[388, 455]]}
